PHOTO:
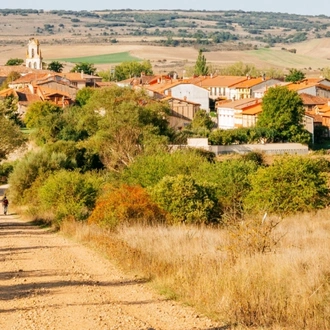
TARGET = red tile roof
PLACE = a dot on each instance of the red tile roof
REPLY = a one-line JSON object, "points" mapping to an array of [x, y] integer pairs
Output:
{"points": [[222, 81], [309, 99]]}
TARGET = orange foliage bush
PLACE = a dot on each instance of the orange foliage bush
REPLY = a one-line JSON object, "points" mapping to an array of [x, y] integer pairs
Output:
{"points": [[125, 204]]}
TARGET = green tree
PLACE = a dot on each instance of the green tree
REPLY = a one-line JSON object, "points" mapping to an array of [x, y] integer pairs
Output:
{"points": [[83, 95], [85, 67], [8, 108], [292, 184], [241, 69], [11, 137], [231, 182], [12, 76], [55, 66], [148, 170], [128, 70], [185, 200], [68, 194], [32, 170], [45, 120], [326, 72], [105, 75], [14, 61], [295, 75], [201, 68], [201, 125], [130, 123], [282, 110]]}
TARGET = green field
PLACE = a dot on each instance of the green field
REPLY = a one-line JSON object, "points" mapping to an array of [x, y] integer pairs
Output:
{"points": [[102, 59], [286, 59]]}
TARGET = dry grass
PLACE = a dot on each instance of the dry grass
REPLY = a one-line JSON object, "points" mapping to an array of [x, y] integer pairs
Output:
{"points": [[287, 287]]}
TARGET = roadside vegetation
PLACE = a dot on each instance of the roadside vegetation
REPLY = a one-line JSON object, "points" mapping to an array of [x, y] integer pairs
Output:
{"points": [[241, 238]]}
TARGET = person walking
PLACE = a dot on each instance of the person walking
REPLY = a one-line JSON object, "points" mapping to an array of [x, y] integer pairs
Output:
{"points": [[5, 204]]}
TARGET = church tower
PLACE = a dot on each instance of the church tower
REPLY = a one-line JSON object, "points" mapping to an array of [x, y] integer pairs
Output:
{"points": [[33, 55]]}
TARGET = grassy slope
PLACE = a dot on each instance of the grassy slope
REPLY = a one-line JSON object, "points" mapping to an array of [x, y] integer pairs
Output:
{"points": [[103, 59], [286, 59]]}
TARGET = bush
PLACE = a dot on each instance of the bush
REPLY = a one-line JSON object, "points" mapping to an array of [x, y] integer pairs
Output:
{"points": [[292, 184], [5, 170], [185, 200], [33, 168], [231, 181], [149, 170], [68, 194], [125, 205]]}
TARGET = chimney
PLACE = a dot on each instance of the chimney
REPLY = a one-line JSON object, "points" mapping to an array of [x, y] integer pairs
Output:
{"points": [[82, 74]]}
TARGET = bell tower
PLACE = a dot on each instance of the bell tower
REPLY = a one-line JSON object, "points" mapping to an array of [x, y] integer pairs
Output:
{"points": [[33, 55]]}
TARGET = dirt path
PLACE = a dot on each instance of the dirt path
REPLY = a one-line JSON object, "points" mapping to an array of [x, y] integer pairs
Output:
{"points": [[49, 282]]}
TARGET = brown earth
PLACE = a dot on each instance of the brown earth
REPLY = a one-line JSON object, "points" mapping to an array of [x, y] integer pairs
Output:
{"points": [[311, 54], [50, 282]]}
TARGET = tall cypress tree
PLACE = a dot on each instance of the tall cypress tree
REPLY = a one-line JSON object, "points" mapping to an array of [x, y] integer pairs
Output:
{"points": [[201, 69]]}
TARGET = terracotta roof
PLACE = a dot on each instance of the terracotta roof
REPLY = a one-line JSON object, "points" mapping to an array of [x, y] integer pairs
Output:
{"points": [[161, 87], [248, 83], [27, 98], [302, 85], [5, 70], [224, 81], [317, 118], [326, 114], [46, 91], [169, 98], [7, 91], [239, 104], [77, 76], [253, 109], [24, 95], [323, 108], [322, 86], [309, 99], [28, 78], [104, 84]]}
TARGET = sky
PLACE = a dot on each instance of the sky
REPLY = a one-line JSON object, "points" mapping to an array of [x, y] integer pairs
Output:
{"points": [[301, 7]]}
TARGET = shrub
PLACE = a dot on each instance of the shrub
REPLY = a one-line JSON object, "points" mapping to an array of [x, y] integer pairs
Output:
{"points": [[5, 169], [68, 193], [125, 204], [231, 182], [35, 166], [185, 200], [149, 170], [292, 184]]}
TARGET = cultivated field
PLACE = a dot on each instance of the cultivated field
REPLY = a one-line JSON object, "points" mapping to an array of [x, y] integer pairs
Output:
{"points": [[69, 36], [311, 56]]}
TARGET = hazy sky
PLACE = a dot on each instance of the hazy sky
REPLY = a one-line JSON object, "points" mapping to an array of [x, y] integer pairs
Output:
{"points": [[315, 7]]}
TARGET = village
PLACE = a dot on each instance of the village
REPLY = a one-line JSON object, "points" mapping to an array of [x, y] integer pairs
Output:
{"points": [[232, 101]]}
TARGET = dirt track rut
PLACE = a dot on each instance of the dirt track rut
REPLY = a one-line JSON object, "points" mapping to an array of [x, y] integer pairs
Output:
{"points": [[50, 282]]}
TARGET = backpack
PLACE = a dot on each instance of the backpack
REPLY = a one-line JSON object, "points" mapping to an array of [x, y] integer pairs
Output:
{"points": [[5, 202]]}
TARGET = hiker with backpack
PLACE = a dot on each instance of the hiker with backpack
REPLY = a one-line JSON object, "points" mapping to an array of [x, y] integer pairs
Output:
{"points": [[5, 205]]}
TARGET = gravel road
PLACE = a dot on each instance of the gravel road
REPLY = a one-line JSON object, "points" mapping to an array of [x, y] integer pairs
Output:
{"points": [[49, 282]]}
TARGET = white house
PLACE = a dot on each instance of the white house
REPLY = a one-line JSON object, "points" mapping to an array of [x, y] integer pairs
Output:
{"points": [[190, 92], [230, 113]]}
